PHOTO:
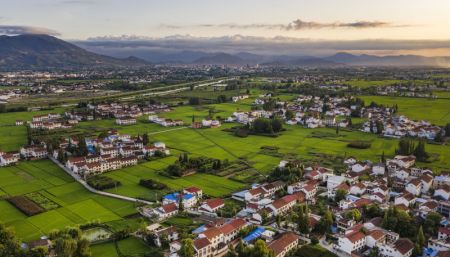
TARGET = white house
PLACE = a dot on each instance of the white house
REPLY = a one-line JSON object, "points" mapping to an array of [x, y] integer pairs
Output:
{"points": [[166, 211], [358, 189], [401, 248], [406, 198], [353, 241], [414, 186], [8, 159], [378, 169], [443, 192], [212, 205]]}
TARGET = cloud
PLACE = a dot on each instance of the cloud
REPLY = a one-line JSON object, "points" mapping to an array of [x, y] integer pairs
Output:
{"points": [[18, 30], [300, 25], [258, 45], [294, 25]]}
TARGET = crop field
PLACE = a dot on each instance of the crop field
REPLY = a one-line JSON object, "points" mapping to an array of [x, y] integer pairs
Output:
{"points": [[372, 83], [129, 177], [13, 137], [380, 83], [442, 94], [215, 143], [46, 181], [437, 111], [130, 246]]}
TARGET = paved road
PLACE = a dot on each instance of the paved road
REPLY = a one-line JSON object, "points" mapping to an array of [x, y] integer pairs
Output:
{"points": [[95, 191], [167, 130]]}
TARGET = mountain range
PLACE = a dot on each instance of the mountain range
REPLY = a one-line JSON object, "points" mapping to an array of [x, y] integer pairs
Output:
{"points": [[43, 52]]}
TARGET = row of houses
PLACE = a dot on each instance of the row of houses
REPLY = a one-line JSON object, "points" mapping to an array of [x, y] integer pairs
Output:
{"points": [[399, 126], [165, 122], [26, 152]]}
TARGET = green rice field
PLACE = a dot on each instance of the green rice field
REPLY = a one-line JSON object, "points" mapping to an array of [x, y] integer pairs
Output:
{"points": [[78, 206]]}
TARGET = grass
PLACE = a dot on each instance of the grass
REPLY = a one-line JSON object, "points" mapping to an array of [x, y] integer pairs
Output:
{"points": [[133, 247], [104, 250], [77, 205], [372, 83], [437, 111], [314, 251]]}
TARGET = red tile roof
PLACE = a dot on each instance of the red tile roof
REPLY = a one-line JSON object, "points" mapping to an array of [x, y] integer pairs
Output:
{"points": [[171, 207], [278, 245], [214, 203], [404, 245], [201, 243], [355, 237]]}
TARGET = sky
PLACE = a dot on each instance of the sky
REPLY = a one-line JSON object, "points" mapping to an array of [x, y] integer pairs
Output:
{"points": [[314, 20]]}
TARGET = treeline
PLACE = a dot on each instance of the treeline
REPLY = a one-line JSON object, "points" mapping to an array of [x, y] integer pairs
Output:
{"points": [[185, 165], [152, 184], [68, 242], [102, 182], [407, 146]]}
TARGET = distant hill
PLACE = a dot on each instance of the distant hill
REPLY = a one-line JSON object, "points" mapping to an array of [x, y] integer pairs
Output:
{"points": [[221, 59], [389, 60], [43, 52]]}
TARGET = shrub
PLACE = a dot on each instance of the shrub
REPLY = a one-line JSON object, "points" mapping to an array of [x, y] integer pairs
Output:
{"points": [[102, 182], [359, 144], [241, 132], [152, 184], [25, 205]]}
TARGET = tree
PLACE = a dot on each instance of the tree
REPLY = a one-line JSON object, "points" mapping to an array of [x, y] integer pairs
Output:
{"points": [[65, 247], [420, 239], [420, 152], [405, 146], [353, 214], [432, 223], [222, 99], [9, 245], [380, 127], [337, 130], [82, 148], [260, 249], [289, 115], [447, 130], [327, 220], [340, 195], [145, 139], [187, 248], [383, 158], [194, 101]]}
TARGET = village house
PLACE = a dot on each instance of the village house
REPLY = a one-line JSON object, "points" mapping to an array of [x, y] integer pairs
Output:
{"points": [[406, 199], [7, 159], [353, 241], [442, 192], [414, 186], [442, 241], [211, 205], [284, 204], [125, 121], [34, 152], [282, 245], [166, 211], [188, 200], [194, 191]]}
